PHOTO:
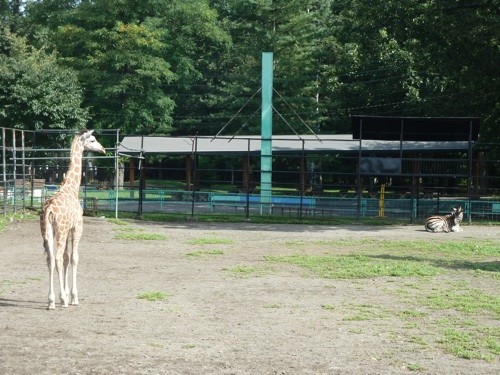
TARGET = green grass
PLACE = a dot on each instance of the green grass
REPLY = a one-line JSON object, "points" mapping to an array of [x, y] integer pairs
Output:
{"points": [[117, 221], [364, 312], [244, 271], [357, 266], [8, 283], [210, 241], [419, 341], [140, 236], [467, 301], [328, 306], [153, 296], [401, 258], [415, 367], [24, 216], [254, 219], [463, 248], [202, 253], [444, 290], [465, 345], [411, 314], [3, 223]]}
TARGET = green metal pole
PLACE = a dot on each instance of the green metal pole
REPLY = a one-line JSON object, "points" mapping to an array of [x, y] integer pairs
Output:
{"points": [[266, 157]]}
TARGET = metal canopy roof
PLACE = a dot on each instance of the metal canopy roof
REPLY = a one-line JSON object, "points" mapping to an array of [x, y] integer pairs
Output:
{"points": [[282, 144]]}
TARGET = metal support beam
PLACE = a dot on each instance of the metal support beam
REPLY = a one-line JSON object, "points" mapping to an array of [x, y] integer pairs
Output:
{"points": [[266, 157]]}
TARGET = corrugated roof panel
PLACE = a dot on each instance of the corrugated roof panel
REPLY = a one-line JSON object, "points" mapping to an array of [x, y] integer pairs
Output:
{"points": [[291, 144]]}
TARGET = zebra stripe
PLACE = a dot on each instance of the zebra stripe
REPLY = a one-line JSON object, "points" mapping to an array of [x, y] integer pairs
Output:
{"points": [[448, 223]]}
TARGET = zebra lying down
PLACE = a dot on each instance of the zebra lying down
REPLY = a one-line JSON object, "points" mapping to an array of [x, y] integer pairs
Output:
{"points": [[448, 223]]}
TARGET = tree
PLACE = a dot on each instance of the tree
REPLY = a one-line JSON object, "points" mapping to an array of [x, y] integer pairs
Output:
{"points": [[136, 60], [289, 30], [423, 58], [10, 13], [118, 54], [196, 47], [35, 92]]}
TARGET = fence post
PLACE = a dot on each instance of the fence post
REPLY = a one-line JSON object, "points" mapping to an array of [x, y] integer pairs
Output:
{"points": [[14, 172], [413, 209], [468, 212], [4, 172], [381, 202]]}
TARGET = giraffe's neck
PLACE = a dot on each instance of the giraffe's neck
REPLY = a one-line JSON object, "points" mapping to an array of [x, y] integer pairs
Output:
{"points": [[72, 180]]}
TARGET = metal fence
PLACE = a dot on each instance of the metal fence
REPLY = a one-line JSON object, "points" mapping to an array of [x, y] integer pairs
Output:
{"points": [[327, 185], [192, 203]]}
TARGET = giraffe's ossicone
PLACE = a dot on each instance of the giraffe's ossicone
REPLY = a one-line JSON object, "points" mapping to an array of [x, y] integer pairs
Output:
{"points": [[61, 221]]}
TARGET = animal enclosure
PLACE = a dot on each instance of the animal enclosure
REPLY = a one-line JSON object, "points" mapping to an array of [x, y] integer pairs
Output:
{"points": [[331, 178]]}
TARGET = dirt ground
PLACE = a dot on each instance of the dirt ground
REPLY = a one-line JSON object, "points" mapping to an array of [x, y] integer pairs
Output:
{"points": [[276, 321]]}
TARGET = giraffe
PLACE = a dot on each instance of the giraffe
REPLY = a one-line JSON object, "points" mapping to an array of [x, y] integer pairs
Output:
{"points": [[61, 216]]}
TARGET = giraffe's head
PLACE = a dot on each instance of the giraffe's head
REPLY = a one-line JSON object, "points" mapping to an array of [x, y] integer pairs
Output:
{"points": [[89, 142]]}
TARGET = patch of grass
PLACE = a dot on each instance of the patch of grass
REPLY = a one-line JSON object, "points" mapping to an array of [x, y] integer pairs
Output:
{"points": [[243, 271], [153, 296], [468, 301], [419, 341], [364, 312], [201, 253], [355, 330], [7, 282], [3, 223], [415, 367], [411, 314], [493, 345], [140, 236], [358, 317], [464, 345], [327, 306], [357, 266], [450, 254], [10, 282], [210, 241], [117, 221], [346, 242], [255, 219], [26, 215]]}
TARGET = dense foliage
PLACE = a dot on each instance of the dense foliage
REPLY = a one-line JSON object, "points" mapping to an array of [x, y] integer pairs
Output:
{"points": [[186, 67]]}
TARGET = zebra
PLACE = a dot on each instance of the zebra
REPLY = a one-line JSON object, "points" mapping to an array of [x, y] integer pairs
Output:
{"points": [[448, 223]]}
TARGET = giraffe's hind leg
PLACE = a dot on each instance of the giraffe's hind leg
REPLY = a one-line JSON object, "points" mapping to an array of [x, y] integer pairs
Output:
{"points": [[66, 262], [51, 264], [77, 234], [59, 258]]}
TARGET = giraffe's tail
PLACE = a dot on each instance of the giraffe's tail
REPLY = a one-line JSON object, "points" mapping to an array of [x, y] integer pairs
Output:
{"points": [[47, 228]]}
